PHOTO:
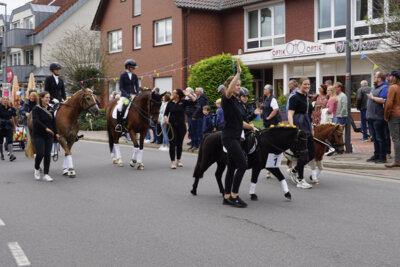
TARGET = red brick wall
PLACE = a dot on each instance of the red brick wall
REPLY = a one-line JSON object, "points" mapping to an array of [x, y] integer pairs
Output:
{"points": [[299, 20], [205, 35], [233, 30], [119, 15]]}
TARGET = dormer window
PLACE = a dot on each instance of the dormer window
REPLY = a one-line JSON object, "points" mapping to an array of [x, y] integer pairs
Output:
{"points": [[28, 23]]}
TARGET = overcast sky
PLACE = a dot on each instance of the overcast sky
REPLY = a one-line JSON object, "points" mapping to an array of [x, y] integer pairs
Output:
{"points": [[11, 5]]}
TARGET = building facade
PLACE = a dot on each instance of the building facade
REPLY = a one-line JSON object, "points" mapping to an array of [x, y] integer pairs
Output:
{"points": [[34, 29], [278, 40]]}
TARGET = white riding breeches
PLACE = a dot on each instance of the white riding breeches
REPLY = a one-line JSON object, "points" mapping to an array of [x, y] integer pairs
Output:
{"points": [[121, 103]]}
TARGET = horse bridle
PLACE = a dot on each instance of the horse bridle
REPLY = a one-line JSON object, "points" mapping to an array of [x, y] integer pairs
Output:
{"points": [[89, 106], [331, 144]]}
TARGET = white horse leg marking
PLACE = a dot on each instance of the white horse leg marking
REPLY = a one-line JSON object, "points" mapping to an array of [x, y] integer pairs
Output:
{"points": [[284, 186], [320, 167], [135, 154], [140, 159], [71, 171], [118, 155], [114, 159], [65, 166], [268, 174]]}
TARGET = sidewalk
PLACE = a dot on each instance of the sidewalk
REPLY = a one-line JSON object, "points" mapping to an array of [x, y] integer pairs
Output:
{"points": [[351, 161]]}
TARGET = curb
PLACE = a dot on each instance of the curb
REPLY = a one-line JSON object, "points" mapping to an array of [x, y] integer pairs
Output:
{"points": [[327, 163]]}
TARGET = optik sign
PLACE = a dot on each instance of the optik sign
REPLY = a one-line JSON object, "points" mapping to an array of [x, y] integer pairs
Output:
{"points": [[298, 48]]}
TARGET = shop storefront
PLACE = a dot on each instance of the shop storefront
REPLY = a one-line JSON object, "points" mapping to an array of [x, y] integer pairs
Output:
{"points": [[319, 62]]}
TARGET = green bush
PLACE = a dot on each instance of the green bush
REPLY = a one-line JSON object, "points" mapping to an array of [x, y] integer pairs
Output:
{"points": [[99, 123], [282, 100], [209, 73]]}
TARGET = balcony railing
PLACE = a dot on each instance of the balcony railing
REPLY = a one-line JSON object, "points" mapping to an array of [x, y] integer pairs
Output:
{"points": [[22, 72], [18, 38]]}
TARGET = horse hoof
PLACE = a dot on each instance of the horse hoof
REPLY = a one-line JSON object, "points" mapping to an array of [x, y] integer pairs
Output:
{"points": [[132, 163], [253, 197], [194, 192], [65, 172], [141, 166], [114, 161], [120, 164], [288, 196]]}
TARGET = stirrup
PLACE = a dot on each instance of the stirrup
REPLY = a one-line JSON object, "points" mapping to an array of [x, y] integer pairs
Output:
{"points": [[118, 128]]}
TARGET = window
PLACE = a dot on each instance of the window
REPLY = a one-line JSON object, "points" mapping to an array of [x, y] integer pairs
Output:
{"points": [[374, 10], [137, 37], [29, 57], [115, 41], [164, 83], [331, 19], [16, 24], [16, 59], [163, 32], [137, 7], [28, 23], [265, 27]]}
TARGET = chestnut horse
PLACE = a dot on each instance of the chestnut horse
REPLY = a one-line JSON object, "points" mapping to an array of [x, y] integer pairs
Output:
{"points": [[325, 135], [67, 123], [145, 107]]}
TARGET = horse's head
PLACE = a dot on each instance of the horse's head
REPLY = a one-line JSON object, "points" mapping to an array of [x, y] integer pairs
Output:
{"points": [[337, 138], [299, 146], [155, 104], [88, 102]]}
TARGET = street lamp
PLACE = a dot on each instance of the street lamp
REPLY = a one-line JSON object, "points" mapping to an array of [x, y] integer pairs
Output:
{"points": [[5, 42], [348, 77]]}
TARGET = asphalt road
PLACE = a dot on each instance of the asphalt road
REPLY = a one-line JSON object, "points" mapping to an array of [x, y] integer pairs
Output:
{"points": [[111, 216]]}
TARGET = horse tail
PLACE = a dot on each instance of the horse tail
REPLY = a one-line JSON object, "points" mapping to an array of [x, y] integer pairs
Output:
{"points": [[30, 148], [110, 139]]}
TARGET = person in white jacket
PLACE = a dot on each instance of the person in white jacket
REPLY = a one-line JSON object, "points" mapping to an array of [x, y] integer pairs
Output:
{"points": [[165, 143]]}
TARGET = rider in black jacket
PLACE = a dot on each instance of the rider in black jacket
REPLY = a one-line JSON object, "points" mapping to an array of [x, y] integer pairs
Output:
{"points": [[55, 85], [7, 126]]}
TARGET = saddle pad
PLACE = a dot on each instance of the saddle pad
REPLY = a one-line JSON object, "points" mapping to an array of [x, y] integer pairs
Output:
{"points": [[114, 114]]}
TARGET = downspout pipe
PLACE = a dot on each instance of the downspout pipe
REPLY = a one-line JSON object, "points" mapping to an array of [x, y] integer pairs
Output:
{"points": [[185, 44]]}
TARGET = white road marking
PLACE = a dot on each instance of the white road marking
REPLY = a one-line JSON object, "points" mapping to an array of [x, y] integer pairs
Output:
{"points": [[18, 254], [2, 222]]}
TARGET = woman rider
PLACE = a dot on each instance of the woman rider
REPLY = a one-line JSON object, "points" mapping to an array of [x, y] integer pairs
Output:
{"points": [[232, 133], [299, 114]]}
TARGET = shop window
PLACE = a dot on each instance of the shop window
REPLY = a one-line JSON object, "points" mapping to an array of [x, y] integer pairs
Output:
{"points": [[265, 27], [355, 84], [332, 19]]}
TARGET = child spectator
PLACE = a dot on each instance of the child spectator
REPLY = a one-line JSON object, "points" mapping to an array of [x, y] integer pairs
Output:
{"points": [[220, 116], [207, 120]]}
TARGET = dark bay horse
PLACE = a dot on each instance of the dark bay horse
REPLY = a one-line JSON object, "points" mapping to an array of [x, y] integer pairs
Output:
{"points": [[145, 107], [67, 123], [272, 140]]}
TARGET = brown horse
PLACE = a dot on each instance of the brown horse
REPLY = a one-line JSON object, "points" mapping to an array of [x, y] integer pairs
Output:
{"points": [[145, 107], [326, 135], [67, 123]]}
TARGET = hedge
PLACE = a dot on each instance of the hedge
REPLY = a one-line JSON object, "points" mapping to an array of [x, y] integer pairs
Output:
{"points": [[99, 123], [211, 72]]}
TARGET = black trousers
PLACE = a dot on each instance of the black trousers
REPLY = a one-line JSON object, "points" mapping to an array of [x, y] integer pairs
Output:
{"points": [[179, 132], [43, 150], [7, 133], [301, 163], [236, 161]]}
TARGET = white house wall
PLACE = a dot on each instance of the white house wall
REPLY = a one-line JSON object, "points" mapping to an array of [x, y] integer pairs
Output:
{"points": [[20, 17], [82, 17]]}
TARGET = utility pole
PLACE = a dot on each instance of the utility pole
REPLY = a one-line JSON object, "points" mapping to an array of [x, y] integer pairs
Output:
{"points": [[348, 77], [5, 42]]}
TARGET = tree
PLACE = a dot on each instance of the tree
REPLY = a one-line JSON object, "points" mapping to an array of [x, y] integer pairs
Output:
{"points": [[388, 30], [211, 72], [81, 58]]}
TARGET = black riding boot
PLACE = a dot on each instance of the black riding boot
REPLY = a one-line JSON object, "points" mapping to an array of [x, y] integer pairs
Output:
{"points": [[118, 127], [1, 152]]}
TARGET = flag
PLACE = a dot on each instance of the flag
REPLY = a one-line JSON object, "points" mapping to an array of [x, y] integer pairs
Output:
{"points": [[363, 56], [350, 44], [375, 67]]}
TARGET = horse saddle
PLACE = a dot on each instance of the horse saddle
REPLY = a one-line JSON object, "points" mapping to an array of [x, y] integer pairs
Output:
{"points": [[115, 110], [249, 144]]}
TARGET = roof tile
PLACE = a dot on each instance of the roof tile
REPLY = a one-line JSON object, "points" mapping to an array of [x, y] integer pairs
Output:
{"points": [[213, 4]]}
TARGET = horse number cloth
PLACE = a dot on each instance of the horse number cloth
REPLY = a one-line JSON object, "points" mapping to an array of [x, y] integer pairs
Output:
{"points": [[274, 160]]}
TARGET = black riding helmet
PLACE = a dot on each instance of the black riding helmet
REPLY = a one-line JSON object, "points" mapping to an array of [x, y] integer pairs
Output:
{"points": [[55, 66], [244, 91], [130, 63]]}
